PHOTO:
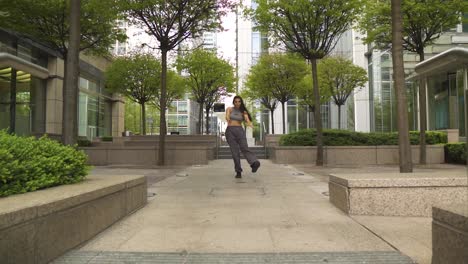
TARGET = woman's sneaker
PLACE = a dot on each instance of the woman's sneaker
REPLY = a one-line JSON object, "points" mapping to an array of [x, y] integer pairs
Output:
{"points": [[255, 166]]}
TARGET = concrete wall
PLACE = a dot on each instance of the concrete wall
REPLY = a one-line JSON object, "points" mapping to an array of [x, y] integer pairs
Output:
{"points": [[40, 226], [143, 150], [352, 155], [450, 234]]}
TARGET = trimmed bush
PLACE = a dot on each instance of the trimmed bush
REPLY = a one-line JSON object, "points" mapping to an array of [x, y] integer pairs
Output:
{"points": [[84, 143], [29, 164], [455, 153], [333, 137], [107, 139]]}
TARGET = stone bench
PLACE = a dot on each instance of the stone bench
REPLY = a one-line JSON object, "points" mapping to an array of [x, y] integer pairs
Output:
{"points": [[39, 226], [397, 194], [450, 234]]}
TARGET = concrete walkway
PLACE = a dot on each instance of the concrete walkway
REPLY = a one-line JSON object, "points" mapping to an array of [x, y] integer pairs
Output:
{"points": [[202, 214]]}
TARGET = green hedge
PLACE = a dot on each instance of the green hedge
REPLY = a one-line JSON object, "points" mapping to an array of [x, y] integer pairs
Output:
{"points": [[29, 164], [333, 137], [455, 153]]}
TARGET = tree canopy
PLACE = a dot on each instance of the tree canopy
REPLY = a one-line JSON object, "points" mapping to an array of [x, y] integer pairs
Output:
{"points": [[340, 76], [309, 28], [48, 21], [278, 75], [172, 22], [137, 78], [423, 21], [206, 74]]}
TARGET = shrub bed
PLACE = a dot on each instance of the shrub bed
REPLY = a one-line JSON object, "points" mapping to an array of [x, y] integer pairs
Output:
{"points": [[333, 137], [455, 153], [28, 164]]}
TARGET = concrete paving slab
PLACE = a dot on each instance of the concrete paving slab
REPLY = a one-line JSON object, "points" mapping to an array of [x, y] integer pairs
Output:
{"points": [[279, 209], [411, 235]]}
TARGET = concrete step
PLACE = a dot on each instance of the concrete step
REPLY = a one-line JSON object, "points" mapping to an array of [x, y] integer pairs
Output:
{"points": [[225, 152]]}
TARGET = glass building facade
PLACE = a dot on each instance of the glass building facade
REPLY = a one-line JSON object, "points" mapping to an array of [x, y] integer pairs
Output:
{"points": [[30, 91], [22, 95], [383, 105]]}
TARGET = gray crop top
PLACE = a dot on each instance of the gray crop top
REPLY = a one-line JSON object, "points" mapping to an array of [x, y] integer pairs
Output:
{"points": [[236, 115]]}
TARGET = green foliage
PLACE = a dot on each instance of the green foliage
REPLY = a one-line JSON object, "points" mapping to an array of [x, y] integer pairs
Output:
{"points": [[137, 77], [310, 28], [206, 74], [276, 75], [209, 78], [423, 21], [334, 137], [341, 77], [48, 22], [29, 164], [84, 142], [107, 139], [455, 153]]}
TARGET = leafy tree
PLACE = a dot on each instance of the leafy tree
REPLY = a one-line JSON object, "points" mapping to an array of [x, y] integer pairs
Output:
{"points": [[137, 78], [172, 22], [311, 29], [341, 77], [423, 22], [206, 75], [257, 89], [49, 22], [306, 96], [176, 88], [399, 84], [281, 74]]}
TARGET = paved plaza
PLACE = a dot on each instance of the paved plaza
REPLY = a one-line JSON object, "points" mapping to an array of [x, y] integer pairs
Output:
{"points": [[281, 214]]}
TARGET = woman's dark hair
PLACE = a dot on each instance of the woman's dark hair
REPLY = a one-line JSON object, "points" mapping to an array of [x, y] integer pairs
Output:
{"points": [[242, 107]]}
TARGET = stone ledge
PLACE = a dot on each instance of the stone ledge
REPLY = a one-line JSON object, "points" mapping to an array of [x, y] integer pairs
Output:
{"points": [[39, 226], [394, 194], [450, 234]]}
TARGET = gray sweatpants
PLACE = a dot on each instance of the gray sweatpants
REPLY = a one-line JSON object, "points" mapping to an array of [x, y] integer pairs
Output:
{"points": [[235, 136]]}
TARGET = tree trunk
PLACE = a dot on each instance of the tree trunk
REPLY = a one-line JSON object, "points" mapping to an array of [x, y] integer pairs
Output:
{"points": [[284, 119], [422, 115], [317, 114], [272, 123], [339, 117], [207, 129], [72, 71], [162, 103], [200, 119], [400, 91], [143, 119]]}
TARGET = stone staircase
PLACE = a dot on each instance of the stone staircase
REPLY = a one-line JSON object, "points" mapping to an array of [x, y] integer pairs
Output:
{"points": [[224, 152]]}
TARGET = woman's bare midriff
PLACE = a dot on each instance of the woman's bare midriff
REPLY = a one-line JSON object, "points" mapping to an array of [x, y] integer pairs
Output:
{"points": [[234, 123]]}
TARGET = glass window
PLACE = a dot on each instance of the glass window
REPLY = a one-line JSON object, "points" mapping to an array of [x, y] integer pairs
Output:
{"points": [[172, 108], [465, 23], [291, 119], [461, 103], [29, 102], [183, 121], [182, 107]]}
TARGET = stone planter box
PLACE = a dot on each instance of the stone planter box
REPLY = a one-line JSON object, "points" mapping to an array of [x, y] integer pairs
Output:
{"points": [[450, 234], [396, 194], [352, 155], [144, 150], [176, 154], [40, 226]]}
